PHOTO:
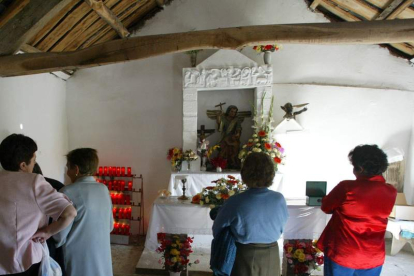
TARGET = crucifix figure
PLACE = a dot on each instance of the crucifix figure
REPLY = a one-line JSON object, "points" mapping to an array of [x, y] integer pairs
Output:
{"points": [[229, 125]]}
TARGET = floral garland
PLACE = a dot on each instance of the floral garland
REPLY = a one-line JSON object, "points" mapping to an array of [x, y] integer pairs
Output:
{"points": [[262, 140], [176, 252], [267, 48], [216, 195]]}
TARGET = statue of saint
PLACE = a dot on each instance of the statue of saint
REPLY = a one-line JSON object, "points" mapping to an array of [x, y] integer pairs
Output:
{"points": [[229, 126]]}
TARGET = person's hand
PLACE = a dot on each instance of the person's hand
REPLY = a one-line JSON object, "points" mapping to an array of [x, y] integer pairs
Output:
{"points": [[41, 235]]}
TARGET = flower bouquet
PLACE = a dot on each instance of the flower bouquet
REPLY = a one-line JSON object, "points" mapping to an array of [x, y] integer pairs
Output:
{"points": [[176, 252], [216, 195], [303, 257], [219, 163], [262, 140], [175, 155], [190, 155], [266, 48]]}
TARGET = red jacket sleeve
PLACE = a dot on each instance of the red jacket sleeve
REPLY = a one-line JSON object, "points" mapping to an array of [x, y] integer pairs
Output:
{"points": [[334, 199]]}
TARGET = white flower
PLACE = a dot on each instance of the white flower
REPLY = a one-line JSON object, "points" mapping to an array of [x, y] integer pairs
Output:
{"points": [[244, 146], [256, 140], [254, 136], [212, 206], [272, 155], [250, 140], [258, 145], [223, 188], [257, 150], [231, 192]]}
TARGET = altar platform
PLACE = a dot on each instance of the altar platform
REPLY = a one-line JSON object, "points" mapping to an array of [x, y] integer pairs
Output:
{"points": [[171, 215]]}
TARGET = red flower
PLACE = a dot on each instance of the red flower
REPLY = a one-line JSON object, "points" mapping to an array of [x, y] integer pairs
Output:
{"points": [[268, 47], [277, 160], [278, 145], [232, 182], [231, 177], [196, 199], [319, 260], [268, 146], [161, 236], [262, 133], [254, 47], [209, 188], [249, 144], [225, 196]]}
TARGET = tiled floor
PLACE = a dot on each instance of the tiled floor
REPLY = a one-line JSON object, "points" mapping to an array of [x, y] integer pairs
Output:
{"points": [[125, 259]]}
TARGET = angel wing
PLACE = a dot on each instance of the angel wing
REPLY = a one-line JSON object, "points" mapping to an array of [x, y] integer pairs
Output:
{"points": [[213, 114], [300, 105]]}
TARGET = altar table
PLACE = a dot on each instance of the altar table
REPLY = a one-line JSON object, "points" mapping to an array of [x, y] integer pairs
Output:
{"points": [[196, 181], [402, 233], [171, 215]]}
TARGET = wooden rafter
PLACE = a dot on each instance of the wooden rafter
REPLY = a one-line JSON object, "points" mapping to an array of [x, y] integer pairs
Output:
{"points": [[109, 17], [27, 22], [372, 32], [12, 10], [396, 12]]}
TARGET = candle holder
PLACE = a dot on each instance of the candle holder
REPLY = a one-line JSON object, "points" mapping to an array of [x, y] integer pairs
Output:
{"points": [[183, 197]]}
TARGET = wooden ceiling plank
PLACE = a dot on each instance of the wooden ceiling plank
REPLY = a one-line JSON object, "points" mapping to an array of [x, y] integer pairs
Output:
{"points": [[132, 16], [406, 14], [32, 18], [388, 10], [407, 49], [121, 50], [109, 17], [399, 9], [79, 29], [12, 10], [360, 8], [26, 48], [339, 12], [64, 27], [315, 4], [52, 23], [100, 25]]}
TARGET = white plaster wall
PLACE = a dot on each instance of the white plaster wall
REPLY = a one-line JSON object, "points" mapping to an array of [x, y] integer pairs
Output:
{"points": [[337, 120], [37, 102], [409, 174], [132, 112]]}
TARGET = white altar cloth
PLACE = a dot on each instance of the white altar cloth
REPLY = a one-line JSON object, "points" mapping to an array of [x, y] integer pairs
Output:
{"points": [[181, 217], [196, 181]]}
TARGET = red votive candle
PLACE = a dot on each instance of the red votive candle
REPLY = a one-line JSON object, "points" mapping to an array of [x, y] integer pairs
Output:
{"points": [[118, 171], [129, 172], [105, 170], [114, 212], [116, 226], [123, 229], [122, 199], [129, 185], [128, 199], [109, 170], [123, 171], [104, 182], [100, 170], [121, 213], [129, 211], [127, 228], [114, 184]]}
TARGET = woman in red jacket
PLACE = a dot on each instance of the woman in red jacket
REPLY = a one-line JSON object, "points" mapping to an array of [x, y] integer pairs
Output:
{"points": [[353, 240]]}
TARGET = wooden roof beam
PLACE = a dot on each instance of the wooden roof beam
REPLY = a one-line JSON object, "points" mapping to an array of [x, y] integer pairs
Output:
{"points": [[398, 10], [27, 22], [109, 17], [12, 10], [364, 32]]}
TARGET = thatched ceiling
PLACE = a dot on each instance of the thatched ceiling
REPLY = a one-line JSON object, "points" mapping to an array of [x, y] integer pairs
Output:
{"points": [[369, 10]]}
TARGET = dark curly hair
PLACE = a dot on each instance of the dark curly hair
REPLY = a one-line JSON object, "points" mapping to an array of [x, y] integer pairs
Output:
{"points": [[258, 170], [370, 158], [15, 149]]}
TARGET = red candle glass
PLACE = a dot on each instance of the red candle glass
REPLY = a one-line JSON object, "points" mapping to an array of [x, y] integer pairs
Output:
{"points": [[113, 198], [123, 171], [129, 172], [109, 170], [129, 185], [123, 229], [128, 199], [127, 228], [100, 170], [114, 212], [129, 211], [104, 182], [105, 170], [122, 199], [116, 228], [118, 171]]}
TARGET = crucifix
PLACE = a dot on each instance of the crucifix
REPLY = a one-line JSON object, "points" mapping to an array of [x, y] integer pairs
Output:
{"points": [[203, 133]]}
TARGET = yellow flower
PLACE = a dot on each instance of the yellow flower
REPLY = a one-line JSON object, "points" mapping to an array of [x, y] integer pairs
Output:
{"points": [[289, 249], [201, 203], [218, 196], [174, 259], [174, 252], [231, 192], [173, 245], [207, 199], [297, 253], [301, 258]]}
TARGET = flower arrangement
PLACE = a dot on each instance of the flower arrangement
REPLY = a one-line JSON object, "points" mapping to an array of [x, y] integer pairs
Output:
{"points": [[190, 155], [216, 195], [175, 155], [219, 162], [262, 139], [266, 48], [176, 252], [303, 257]]}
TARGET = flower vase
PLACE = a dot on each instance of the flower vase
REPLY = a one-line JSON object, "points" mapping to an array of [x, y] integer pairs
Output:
{"points": [[267, 57], [172, 273], [189, 165], [218, 169], [176, 168]]}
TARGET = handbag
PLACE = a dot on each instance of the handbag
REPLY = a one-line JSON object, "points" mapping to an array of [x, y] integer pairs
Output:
{"points": [[48, 266]]}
